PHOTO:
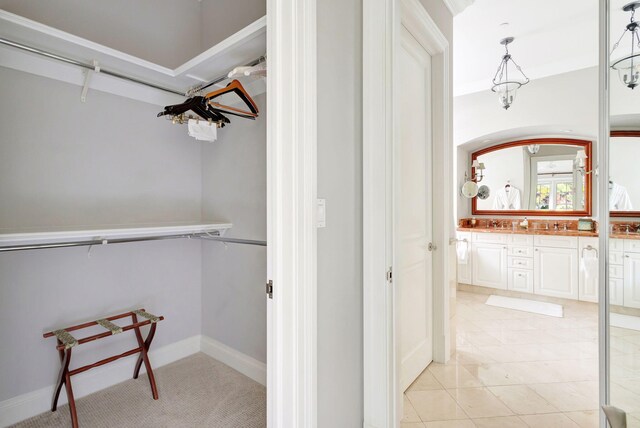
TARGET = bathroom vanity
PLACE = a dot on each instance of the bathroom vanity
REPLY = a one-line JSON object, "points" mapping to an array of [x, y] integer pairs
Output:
{"points": [[548, 263]]}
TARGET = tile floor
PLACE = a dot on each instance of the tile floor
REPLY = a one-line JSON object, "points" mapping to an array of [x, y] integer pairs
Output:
{"points": [[517, 369]]}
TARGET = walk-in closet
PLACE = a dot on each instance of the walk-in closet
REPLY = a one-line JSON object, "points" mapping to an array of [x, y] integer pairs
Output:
{"points": [[133, 199]]}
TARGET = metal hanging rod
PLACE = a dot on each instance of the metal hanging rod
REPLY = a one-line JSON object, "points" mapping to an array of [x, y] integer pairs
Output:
{"points": [[85, 65], [222, 78], [92, 67], [234, 240], [98, 241]]}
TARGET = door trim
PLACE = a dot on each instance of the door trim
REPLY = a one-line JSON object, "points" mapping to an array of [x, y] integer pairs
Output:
{"points": [[381, 22], [291, 214]]}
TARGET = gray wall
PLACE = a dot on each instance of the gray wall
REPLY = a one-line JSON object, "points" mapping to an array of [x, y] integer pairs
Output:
{"points": [[166, 32], [340, 243], [67, 163], [234, 173], [109, 160], [222, 18], [340, 331]]}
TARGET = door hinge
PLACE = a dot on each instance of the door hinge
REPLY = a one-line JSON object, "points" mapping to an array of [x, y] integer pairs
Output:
{"points": [[390, 275], [269, 289]]}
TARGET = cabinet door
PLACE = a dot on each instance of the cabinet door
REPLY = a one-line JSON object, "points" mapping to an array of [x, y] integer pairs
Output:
{"points": [[489, 267], [556, 272], [521, 280], [616, 291], [588, 284], [632, 280]]}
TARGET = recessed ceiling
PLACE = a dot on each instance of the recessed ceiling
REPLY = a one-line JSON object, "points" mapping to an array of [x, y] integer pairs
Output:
{"points": [[551, 37]]}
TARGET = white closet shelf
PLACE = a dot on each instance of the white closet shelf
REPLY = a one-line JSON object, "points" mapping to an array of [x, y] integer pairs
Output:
{"points": [[240, 48], [107, 232]]}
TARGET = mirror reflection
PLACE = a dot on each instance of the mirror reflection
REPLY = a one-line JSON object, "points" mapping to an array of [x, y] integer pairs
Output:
{"points": [[534, 175], [624, 192]]}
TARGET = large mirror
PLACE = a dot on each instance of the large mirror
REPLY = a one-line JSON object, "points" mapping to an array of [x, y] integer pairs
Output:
{"points": [[550, 176], [624, 188]]}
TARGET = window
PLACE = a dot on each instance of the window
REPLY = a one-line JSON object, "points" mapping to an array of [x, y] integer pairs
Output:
{"points": [[555, 193]]}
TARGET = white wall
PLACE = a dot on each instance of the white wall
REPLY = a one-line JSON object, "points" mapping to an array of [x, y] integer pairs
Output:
{"points": [[166, 32], [234, 171], [340, 334], [109, 160], [544, 107], [502, 166]]}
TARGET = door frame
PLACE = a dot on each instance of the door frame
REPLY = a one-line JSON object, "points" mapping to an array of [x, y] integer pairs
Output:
{"points": [[381, 23], [291, 214]]}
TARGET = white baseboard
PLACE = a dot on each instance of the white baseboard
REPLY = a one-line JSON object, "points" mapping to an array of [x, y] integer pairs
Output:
{"points": [[33, 403], [248, 366]]}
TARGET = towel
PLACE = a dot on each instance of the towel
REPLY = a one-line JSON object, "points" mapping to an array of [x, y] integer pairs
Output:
{"points": [[462, 251], [203, 130], [589, 263]]}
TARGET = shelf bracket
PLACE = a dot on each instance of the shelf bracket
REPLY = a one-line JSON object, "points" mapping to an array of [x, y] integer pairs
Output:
{"points": [[87, 80]]}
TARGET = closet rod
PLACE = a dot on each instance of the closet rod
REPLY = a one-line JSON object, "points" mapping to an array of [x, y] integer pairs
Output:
{"points": [[84, 65], [100, 242], [198, 88], [234, 240]]}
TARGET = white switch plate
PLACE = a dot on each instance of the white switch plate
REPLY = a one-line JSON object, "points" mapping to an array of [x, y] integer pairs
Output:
{"points": [[322, 213]]}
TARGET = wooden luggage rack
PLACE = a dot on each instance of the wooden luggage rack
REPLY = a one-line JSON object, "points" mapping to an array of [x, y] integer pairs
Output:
{"points": [[66, 342]]}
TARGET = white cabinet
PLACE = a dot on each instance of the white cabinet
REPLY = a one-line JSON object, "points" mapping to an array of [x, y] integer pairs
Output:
{"points": [[521, 280], [588, 273], [631, 279], [616, 291], [489, 267], [556, 272]]}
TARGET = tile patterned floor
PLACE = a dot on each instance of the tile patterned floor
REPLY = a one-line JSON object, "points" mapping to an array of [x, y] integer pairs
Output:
{"points": [[517, 369]]}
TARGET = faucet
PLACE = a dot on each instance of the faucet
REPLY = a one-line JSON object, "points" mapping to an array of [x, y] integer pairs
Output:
{"points": [[564, 226], [494, 223], [556, 226]]}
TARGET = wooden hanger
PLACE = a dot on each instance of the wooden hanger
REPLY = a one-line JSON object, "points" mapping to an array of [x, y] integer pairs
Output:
{"points": [[236, 87]]}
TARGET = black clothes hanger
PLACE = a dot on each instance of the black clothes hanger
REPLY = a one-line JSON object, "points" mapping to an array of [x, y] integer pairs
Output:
{"points": [[199, 106]]}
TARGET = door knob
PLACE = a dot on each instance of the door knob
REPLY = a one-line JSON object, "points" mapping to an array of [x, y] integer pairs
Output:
{"points": [[431, 247]]}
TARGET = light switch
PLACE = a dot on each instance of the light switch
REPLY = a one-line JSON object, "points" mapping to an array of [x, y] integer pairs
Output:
{"points": [[322, 213]]}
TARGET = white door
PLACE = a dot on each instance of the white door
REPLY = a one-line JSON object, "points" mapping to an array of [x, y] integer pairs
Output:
{"points": [[490, 265], [412, 211], [632, 280], [555, 272]]}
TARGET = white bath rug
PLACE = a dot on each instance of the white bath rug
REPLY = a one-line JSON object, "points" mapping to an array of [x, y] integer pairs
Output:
{"points": [[533, 306], [624, 321]]}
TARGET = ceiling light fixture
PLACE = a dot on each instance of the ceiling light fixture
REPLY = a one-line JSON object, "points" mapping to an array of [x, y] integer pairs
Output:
{"points": [[628, 67], [502, 85]]}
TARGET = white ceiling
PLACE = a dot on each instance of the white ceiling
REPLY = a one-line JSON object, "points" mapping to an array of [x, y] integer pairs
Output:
{"points": [[552, 37]]}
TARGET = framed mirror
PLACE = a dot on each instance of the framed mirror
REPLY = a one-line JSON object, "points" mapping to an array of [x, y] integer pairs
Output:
{"points": [[624, 190], [542, 176]]}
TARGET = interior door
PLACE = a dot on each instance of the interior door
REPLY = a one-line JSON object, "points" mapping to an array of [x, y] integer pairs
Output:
{"points": [[412, 211]]}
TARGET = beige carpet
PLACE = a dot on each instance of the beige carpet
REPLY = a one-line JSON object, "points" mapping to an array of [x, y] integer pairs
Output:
{"points": [[197, 391]]}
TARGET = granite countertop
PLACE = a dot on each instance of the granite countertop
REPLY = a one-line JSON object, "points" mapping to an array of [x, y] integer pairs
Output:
{"points": [[561, 232]]}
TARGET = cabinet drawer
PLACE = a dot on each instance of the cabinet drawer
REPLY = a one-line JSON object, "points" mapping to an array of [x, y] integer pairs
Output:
{"points": [[616, 271], [520, 262], [521, 251], [522, 240], [489, 238], [555, 241], [616, 244], [631, 245], [521, 280], [616, 258], [464, 235]]}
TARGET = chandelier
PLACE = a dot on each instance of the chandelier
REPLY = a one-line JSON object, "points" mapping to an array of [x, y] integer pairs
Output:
{"points": [[628, 67], [503, 84]]}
